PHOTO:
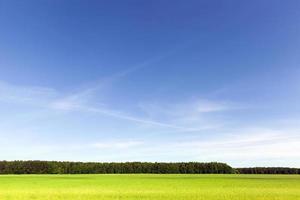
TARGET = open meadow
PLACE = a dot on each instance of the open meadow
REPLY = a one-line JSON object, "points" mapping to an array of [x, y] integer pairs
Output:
{"points": [[150, 186]]}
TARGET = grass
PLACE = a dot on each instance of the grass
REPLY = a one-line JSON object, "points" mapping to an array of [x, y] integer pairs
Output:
{"points": [[144, 186]]}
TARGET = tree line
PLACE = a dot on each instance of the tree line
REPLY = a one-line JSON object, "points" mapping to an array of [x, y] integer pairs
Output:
{"points": [[55, 167], [268, 170]]}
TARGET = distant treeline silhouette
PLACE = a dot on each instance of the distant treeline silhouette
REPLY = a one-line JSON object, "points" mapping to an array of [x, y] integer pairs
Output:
{"points": [[54, 167], [268, 170]]}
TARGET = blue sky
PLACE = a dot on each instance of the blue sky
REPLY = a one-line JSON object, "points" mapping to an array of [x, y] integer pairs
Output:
{"points": [[151, 81]]}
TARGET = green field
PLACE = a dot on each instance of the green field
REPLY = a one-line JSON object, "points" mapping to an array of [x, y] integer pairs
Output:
{"points": [[206, 187]]}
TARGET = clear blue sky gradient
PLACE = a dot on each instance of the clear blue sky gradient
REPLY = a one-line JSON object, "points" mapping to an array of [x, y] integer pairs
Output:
{"points": [[205, 80]]}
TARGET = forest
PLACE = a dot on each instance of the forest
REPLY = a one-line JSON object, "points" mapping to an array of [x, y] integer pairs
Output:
{"points": [[268, 170], [56, 167]]}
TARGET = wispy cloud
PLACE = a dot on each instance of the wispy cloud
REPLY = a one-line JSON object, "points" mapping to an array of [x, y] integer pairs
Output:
{"points": [[189, 116], [195, 114], [33, 95], [127, 117], [192, 108], [177, 116]]}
